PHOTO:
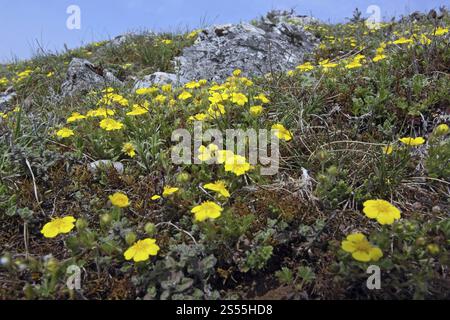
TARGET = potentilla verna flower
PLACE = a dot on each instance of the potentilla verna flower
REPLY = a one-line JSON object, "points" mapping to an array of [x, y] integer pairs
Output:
{"points": [[239, 98], [76, 116], [383, 211], [185, 95], [442, 129], [237, 165], [413, 142], [109, 124], [58, 226], [119, 200], [281, 132], [219, 187], [168, 190], [65, 133], [207, 210], [360, 248], [128, 149], [142, 250]]}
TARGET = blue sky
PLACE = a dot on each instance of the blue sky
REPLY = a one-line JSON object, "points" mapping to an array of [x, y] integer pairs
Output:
{"points": [[24, 23]]}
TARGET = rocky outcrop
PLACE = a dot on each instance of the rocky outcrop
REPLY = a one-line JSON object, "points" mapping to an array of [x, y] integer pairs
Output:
{"points": [[83, 76], [277, 42], [159, 78], [6, 99]]}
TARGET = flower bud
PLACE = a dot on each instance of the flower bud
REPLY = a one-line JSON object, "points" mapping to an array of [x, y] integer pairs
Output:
{"points": [[81, 224], [433, 248], [150, 229], [442, 129], [183, 177], [105, 219], [130, 238], [420, 241]]}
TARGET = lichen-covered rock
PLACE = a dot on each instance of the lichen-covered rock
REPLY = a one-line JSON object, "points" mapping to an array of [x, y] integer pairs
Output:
{"points": [[6, 98], [99, 165], [277, 42], [159, 78], [83, 76]]}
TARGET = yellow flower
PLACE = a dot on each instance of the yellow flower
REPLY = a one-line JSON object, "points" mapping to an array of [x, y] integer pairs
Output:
{"points": [[110, 98], [217, 98], [207, 210], [256, 110], [224, 156], [156, 197], [360, 248], [145, 91], [307, 66], [199, 117], [262, 97], [129, 150], [353, 64], [185, 95], [3, 81], [207, 153], [50, 74], [237, 165], [441, 31], [169, 190], [100, 112], [442, 129], [424, 40], [379, 57], [237, 73], [239, 98], [142, 250], [413, 141], [119, 200], [217, 110], [166, 88], [75, 117], [326, 64], [110, 124], [388, 149], [167, 41], [219, 187], [137, 110], [381, 210], [160, 98], [402, 40], [193, 34], [281, 132], [192, 85], [58, 226], [65, 133]]}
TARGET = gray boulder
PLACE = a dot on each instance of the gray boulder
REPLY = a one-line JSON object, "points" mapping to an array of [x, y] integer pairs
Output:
{"points": [[277, 42], [6, 98], [159, 78], [83, 76], [95, 167]]}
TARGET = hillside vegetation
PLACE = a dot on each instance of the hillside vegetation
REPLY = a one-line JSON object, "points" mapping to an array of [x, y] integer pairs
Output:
{"points": [[364, 174]]}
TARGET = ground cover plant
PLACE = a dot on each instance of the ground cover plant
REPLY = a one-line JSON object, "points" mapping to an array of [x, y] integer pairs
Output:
{"points": [[364, 174]]}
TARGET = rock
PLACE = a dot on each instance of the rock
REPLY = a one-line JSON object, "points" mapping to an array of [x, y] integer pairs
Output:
{"points": [[6, 98], [277, 42], [159, 78], [94, 167], [436, 209], [83, 76], [280, 16]]}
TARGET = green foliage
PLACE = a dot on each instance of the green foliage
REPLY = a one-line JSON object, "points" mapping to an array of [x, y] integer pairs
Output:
{"points": [[182, 275]]}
